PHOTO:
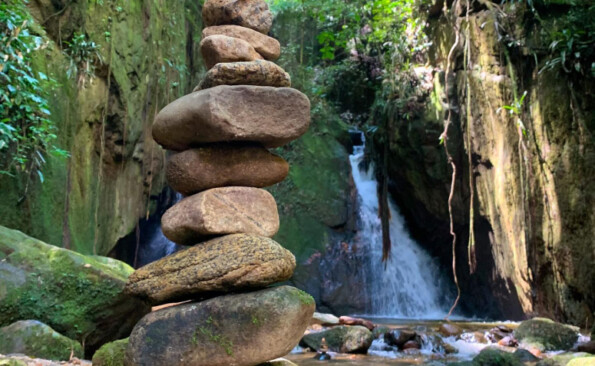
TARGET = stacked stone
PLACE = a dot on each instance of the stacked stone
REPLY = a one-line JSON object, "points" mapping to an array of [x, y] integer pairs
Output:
{"points": [[221, 134]]}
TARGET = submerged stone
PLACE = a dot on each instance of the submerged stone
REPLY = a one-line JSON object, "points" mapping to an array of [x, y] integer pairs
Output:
{"points": [[79, 296], [261, 73], [221, 211], [267, 46], [196, 170], [230, 263], [267, 115], [218, 48], [35, 339], [253, 14], [242, 329]]}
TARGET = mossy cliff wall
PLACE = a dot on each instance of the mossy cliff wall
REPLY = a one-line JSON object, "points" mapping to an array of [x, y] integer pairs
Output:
{"points": [[533, 205], [114, 175]]}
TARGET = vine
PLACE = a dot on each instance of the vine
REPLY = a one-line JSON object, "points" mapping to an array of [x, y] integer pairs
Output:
{"points": [[27, 134]]}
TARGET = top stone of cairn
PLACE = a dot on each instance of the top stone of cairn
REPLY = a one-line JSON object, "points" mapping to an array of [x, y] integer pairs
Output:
{"points": [[253, 14]]}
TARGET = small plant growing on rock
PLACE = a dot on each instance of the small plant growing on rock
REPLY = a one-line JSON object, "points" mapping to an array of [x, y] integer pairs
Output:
{"points": [[84, 55]]}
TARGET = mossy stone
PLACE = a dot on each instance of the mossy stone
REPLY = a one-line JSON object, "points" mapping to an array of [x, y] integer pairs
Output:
{"points": [[496, 357], [111, 354], [78, 296], [344, 339], [37, 340], [551, 336]]}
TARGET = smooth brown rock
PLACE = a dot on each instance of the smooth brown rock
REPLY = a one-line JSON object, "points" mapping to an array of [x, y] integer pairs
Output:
{"points": [[221, 211], [253, 14], [216, 49], [225, 264], [448, 330], [270, 116], [196, 170], [242, 329], [260, 72], [267, 46], [347, 320]]}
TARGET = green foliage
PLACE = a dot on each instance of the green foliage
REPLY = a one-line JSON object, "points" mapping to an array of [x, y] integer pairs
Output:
{"points": [[26, 132], [572, 42], [516, 110], [84, 55]]}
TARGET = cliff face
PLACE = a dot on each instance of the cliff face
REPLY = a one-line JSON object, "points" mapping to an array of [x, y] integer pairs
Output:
{"points": [[114, 175], [533, 192]]}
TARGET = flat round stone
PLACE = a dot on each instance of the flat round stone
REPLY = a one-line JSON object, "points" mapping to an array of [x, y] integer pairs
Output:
{"points": [[222, 165], [218, 48], [260, 73], [267, 46], [253, 14], [267, 115], [221, 211], [226, 264]]}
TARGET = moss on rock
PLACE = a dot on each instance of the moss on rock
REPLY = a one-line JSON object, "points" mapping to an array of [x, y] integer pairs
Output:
{"points": [[547, 334], [111, 354], [37, 340], [76, 295]]}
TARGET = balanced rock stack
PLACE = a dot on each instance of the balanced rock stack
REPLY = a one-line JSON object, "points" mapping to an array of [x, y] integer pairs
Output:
{"points": [[220, 134]]}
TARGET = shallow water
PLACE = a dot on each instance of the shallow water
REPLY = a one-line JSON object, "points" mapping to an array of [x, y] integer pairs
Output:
{"points": [[467, 345]]}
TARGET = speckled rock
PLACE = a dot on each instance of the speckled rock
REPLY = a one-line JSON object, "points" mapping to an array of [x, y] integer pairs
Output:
{"points": [[243, 329], [261, 73], [221, 211], [218, 48], [267, 115], [267, 46], [35, 339], [253, 14], [196, 170], [230, 263]]}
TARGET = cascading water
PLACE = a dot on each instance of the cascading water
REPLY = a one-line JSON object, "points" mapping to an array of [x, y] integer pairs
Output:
{"points": [[408, 286]]}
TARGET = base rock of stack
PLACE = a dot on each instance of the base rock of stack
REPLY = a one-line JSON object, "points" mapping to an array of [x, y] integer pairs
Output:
{"points": [[196, 170], [230, 263], [263, 114], [221, 211], [216, 49], [267, 46], [253, 14], [243, 329], [262, 73]]}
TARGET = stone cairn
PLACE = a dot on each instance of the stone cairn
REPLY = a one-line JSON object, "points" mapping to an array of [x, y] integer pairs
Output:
{"points": [[220, 134]]}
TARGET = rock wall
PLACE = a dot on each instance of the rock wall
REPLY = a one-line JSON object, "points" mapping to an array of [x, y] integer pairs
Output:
{"points": [[533, 204], [149, 52]]}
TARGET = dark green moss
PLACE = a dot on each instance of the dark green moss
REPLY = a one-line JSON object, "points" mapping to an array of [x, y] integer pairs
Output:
{"points": [[37, 340], [111, 354]]}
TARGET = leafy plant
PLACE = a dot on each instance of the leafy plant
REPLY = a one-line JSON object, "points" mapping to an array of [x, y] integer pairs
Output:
{"points": [[515, 111], [26, 132], [84, 55]]}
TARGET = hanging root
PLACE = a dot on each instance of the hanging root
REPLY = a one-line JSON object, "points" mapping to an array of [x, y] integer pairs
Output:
{"points": [[450, 160]]}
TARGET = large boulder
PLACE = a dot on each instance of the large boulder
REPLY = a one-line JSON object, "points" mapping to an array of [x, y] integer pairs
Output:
{"points": [[260, 73], [35, 339], [344, 339], [221, 211], [546, 334], [267, 46], [111, 354], [230, 263], [196, 170], [268, 115], [218, 48], [253, 14], [78, 296], [242, 329]]}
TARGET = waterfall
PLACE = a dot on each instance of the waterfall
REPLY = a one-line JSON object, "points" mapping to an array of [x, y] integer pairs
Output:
{"points": [[409, 285]]}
